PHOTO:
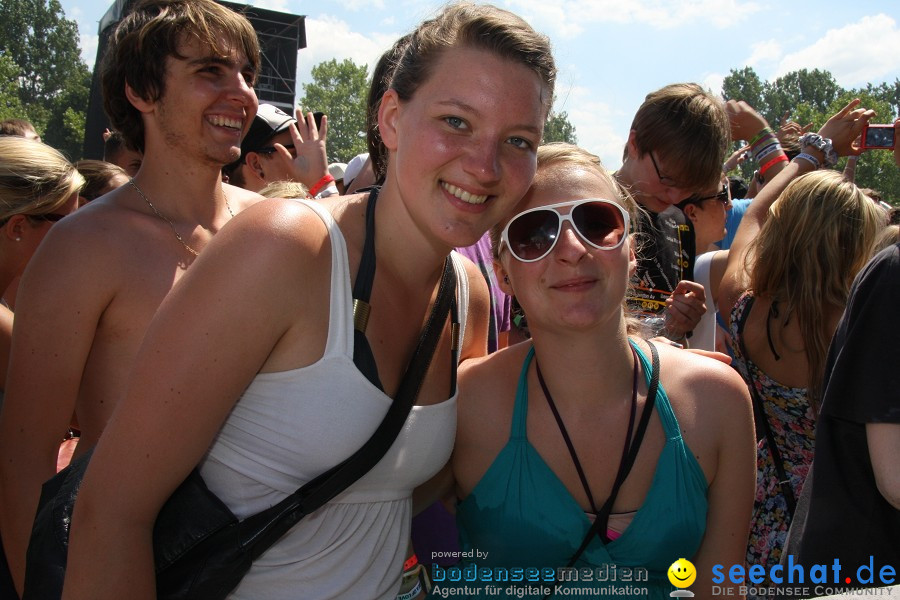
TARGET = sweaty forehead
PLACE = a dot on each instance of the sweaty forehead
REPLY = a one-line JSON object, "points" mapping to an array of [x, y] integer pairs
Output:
{"points": [[563, 182]]}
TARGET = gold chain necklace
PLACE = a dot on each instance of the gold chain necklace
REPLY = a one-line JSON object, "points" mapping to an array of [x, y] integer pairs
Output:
{"points": [[171, 224]]}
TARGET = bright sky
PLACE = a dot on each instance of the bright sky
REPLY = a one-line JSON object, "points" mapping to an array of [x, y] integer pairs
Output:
{"points": [[611, 53]]}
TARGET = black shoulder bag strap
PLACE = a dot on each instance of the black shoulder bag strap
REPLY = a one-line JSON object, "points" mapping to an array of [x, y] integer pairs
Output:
{"points": [[762, 422], [362, 292], [627, 462], [329, 484]]}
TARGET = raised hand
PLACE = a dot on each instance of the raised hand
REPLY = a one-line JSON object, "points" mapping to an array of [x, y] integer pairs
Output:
{"points": [[745, 121], [845, 127], [311, 161]]}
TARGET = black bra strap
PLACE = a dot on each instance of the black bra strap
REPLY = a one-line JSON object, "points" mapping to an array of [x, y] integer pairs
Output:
{"points": [[773, 312], [763, 429], [362, 293]]}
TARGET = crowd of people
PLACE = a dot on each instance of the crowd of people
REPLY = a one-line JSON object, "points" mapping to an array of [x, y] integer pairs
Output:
{"points": [[699, 369]]}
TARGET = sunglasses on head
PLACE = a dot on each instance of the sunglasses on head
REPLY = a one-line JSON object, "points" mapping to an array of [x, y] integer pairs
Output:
{"points": [[532, 234], [51, 217]]}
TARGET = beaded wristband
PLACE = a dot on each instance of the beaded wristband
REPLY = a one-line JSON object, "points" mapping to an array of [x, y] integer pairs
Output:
{"points": [[771, 163], [326, 179], [809, 158]]}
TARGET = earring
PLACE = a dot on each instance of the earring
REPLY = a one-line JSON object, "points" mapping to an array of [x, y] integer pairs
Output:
{"points": [[506, 279], [18, 239]]}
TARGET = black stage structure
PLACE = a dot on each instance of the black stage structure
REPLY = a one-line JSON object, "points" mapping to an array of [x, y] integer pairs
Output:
{"points": [[281, 35]]}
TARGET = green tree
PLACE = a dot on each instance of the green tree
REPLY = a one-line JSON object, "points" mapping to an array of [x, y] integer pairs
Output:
{"points": [[816, 90], [743, 84], [889, 92], [10, 105], [875, 169], [339, 90], [559, 129], [813, 97], [51, 79]]}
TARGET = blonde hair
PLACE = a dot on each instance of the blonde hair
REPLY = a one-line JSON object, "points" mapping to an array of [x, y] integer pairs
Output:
{"points": [[560, 153], [285, 189], [889, 236], [820, 232], [35, 179]]}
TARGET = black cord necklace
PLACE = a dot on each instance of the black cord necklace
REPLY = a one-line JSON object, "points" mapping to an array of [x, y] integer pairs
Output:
{"points": [[574, 455]]}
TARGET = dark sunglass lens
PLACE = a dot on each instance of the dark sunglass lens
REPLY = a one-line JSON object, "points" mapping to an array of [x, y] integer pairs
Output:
{"points": [[532, 235], [600, 223]]}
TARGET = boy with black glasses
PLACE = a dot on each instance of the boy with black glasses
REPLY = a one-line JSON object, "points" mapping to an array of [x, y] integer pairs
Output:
{"points": [[675, 150]]}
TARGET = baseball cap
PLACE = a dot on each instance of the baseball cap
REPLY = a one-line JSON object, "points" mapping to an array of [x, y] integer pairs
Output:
{"points": [[269, 121], [336, 170], [354, 167]]}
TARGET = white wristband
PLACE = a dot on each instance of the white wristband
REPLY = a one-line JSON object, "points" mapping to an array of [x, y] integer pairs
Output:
{"points": [[808, 158]]}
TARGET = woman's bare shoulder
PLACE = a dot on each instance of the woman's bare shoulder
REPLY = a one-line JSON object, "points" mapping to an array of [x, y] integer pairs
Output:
{"points": [[708, 387], [489, 382], [271, 223]]}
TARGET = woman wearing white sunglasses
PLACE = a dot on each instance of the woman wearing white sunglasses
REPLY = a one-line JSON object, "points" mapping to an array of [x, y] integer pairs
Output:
{"points": [[555, 461]]}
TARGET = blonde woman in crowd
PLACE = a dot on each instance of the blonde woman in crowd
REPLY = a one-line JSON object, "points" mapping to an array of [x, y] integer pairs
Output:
{"points": [[799, 246], [597, 469], [38, 187]]}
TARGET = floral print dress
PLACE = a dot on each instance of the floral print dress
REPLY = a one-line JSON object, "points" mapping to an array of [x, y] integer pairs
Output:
{"points": [[792, 421]]}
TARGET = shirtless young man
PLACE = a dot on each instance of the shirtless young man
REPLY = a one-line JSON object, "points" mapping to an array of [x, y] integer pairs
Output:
{"points": [[177, 83]]}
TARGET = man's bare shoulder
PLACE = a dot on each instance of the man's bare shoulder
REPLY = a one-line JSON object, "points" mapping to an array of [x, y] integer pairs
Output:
{"points": [[103, 223], [109, 243]]}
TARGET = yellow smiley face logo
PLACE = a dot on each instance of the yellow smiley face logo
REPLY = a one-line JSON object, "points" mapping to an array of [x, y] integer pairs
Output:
{"points": [[682, 573]]}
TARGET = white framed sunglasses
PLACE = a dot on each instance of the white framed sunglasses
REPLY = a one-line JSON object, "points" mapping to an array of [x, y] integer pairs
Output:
{"points": [[532, 234]]}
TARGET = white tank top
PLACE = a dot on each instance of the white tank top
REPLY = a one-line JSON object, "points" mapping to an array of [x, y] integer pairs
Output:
{"points": [[290, 426], [704, 336]]}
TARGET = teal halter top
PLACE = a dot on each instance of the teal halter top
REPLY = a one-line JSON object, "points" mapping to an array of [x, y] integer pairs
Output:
{"points": [[522, 515]]}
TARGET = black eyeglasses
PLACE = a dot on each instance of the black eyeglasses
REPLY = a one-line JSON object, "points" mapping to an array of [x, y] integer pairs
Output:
{"points": [[723, 196], [271, 149], [663, 179]]}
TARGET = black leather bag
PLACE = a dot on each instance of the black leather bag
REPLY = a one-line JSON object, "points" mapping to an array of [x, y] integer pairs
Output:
{"points": [[202, 551], [191, 520]]}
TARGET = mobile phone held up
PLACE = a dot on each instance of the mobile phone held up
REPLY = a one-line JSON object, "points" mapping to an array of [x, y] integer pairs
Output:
{"points": [[878, 137]]}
